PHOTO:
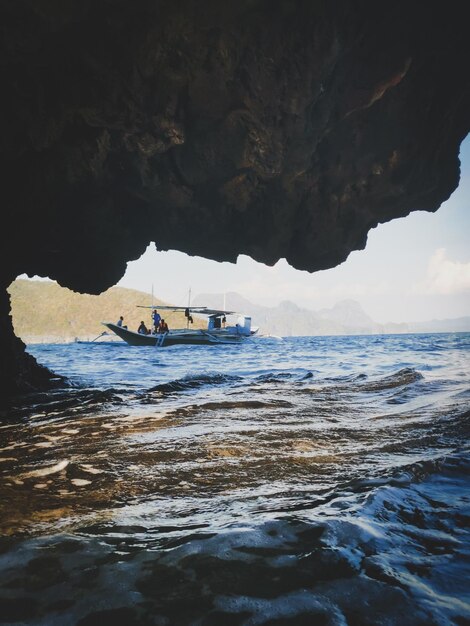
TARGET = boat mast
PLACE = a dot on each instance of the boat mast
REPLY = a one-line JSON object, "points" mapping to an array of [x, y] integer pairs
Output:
{"points": [[151, 310], [189, 310]]}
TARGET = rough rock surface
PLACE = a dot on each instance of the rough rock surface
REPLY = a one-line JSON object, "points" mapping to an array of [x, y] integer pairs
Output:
{"points": [[275, 129]]}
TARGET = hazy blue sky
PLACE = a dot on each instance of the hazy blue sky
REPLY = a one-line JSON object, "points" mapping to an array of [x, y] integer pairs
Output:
{"points": [[413, 268]]}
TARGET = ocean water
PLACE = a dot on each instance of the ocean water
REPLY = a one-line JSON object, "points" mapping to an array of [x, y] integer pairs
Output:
{"points": [[312, 480]]}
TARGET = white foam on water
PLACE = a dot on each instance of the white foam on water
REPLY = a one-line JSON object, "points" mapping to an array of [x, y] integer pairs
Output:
{"points": [[46, 471], [90, 469]]}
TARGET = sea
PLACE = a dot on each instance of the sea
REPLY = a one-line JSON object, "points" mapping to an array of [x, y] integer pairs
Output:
{"points": [[283, 481]]}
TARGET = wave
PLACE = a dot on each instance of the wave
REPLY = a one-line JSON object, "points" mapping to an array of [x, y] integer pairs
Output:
{"points": [[284, 377], [401, 378], [192, 382], [244, 404], [62, 403], [348, 378], [405, 376], [273, 378]]}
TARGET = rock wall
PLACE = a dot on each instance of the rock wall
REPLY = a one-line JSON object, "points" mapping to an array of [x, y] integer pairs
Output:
{"points": [[269, 128]]}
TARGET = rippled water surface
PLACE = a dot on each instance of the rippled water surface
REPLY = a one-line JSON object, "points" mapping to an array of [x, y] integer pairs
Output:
{"points": [[297, 481]]}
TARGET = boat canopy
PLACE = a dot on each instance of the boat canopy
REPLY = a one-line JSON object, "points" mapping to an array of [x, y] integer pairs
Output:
{"points": [[199, 310]]}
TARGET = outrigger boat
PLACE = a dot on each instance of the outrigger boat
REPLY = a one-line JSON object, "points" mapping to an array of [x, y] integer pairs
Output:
{"points": [[217, 331]]}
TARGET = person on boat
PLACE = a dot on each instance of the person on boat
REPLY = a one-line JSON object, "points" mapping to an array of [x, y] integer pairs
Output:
{"points": [[142, 329], [163, 327], [156, 317], [120, 322]]}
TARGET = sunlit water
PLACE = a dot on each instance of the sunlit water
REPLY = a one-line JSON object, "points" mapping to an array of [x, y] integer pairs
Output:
{"points": [[298, 481]]}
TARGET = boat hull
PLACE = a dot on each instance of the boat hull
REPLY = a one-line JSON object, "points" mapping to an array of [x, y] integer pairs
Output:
{"points": [[177, 337]]}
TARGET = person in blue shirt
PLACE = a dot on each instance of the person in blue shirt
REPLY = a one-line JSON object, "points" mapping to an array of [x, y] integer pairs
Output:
{"points": [[156, 320]]}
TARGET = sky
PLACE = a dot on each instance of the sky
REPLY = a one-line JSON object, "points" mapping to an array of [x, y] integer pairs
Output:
{"points": [[415, 268]]}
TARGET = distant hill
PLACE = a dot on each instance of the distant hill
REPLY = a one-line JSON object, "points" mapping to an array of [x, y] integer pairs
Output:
{"points": [[347, 317], [42, 311], [348, 313]]}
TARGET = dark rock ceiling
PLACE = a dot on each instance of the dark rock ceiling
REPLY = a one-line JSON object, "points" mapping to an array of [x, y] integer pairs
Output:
{"points": [[269, 128]]}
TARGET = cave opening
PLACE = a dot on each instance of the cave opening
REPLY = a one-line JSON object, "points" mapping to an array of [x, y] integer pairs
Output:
{"points": [[430, 276]]}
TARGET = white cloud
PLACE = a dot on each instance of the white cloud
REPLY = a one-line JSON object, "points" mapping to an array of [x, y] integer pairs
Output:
{"points": [[444, 276]]}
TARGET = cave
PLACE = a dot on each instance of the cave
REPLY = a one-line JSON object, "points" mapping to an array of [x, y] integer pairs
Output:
{"points": [[282, 129]]}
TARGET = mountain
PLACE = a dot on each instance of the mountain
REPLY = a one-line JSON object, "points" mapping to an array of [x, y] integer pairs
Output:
{"points": [[456, 325], [288, 319], [347, 317], [43, 311], [348, 313]]}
